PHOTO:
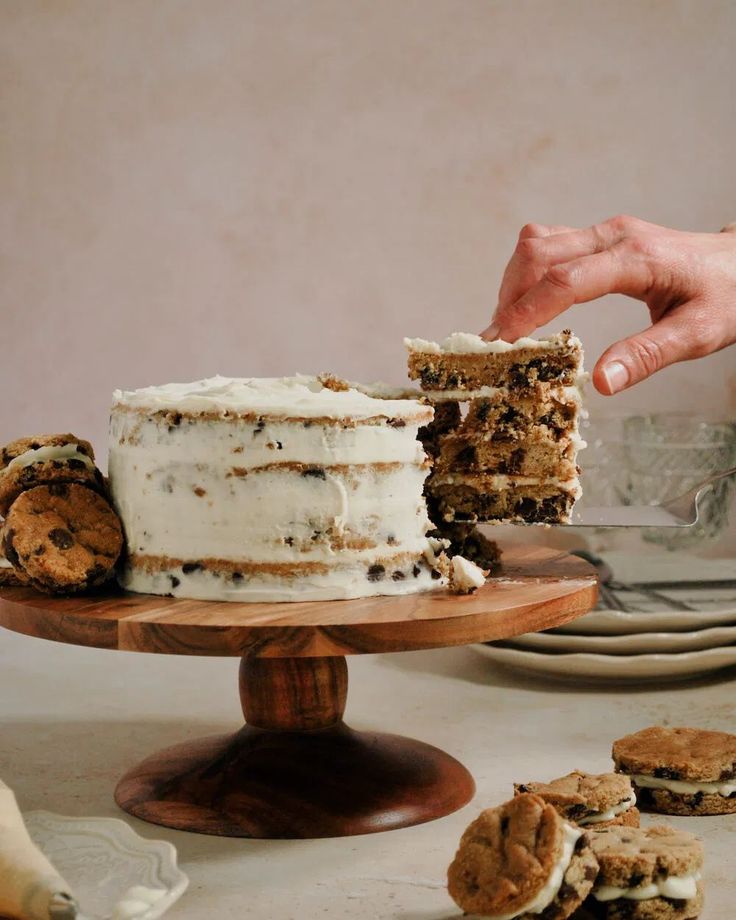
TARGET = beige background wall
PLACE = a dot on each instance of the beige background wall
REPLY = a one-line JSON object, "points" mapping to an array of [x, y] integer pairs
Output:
{"points": [[260, 187]]}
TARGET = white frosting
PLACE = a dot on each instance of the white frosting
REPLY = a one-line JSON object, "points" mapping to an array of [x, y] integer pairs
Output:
{"points": [[466, 576], [612, 813], [4, 564], [44, 454], [498, 482], [340, 582], [294, 397], [270, 515], [136, 902], [546, 895], [677, 887], [257, 492], [466, 343], [379, 390], [683, 787]]}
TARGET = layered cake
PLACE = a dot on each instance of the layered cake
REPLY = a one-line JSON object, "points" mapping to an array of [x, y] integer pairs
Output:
{"points": [[271, 490], [504, 438]]}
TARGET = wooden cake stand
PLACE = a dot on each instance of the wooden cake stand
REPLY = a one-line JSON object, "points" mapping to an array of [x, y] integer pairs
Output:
{"points": [[295, 769]]}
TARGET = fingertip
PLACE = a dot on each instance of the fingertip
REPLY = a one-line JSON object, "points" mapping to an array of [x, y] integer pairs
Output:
{"points": [[610, 377], [491, 332]]}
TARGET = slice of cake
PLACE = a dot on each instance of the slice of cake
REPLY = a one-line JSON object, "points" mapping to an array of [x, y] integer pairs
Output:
{"points": [[505, 438], [271, 490]]}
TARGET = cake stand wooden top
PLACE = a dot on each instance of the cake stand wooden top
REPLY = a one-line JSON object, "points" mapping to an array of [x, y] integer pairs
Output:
{"points": [[538, 588]]}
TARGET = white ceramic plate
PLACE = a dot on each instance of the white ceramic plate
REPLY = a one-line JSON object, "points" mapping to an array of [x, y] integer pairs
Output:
{"points": [[103, 858], [634, 644], [612, 667], [617, 623]]}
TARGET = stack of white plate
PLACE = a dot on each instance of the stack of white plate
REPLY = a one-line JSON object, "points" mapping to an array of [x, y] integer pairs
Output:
{"points": [[650, 640]]}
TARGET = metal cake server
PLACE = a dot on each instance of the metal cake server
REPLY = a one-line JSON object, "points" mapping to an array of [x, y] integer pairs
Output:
{"points": [[678, 512]]}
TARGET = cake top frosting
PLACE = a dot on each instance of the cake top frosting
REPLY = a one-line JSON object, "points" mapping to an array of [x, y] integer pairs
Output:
{"points": [[300, 396], [467, 343]]}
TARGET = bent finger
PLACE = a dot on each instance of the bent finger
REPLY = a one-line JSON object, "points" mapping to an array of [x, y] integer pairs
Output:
{"points": [[534, 255], [612, 271], [533, 231]]}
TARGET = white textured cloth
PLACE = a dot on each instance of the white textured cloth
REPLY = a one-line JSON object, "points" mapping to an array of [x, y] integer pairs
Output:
{"points": [[30, 887]]}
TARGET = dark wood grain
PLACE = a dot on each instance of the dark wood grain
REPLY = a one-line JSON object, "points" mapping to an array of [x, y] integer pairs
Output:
{"points": [[538, 588], [296, 770]]}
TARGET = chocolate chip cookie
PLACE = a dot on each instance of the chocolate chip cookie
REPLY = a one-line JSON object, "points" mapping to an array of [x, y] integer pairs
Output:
{"points": [[597, 800], [646, 874], [522, 860], [63, 537], [44, 459], [680, 771]]}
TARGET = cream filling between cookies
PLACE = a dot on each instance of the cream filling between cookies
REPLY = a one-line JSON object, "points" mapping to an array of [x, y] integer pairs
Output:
{"points": [[677, 887], [546, 895], [682, 787], [51, 452], [612, 813]]}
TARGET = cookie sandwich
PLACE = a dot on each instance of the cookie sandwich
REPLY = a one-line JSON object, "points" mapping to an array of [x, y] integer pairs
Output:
{"points": [[522, 860], [62, 538], [680, 771], [587, 799], [45, 459], [649, 873]]}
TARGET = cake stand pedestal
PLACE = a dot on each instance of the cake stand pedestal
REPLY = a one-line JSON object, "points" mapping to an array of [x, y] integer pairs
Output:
{"points": [[295, 769]]}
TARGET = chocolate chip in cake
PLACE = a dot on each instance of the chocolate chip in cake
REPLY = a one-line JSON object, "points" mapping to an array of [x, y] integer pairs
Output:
{"points": [[59, 489], [397, 423], [315, 471], [175, 582], [398, 575], [483, 409], [467, 456], [429, 377], [415, 571], [376, 572], [190, 567]]}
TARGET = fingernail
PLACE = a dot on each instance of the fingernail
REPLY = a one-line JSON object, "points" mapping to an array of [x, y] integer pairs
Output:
{"points": [[616, 376], [491, 332]]}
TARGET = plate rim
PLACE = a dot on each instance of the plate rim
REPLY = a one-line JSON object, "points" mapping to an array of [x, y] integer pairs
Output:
{"points": [[134, 844]]}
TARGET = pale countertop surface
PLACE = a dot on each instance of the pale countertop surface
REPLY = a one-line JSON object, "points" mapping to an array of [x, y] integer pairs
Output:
{"points": [[73, 719]]}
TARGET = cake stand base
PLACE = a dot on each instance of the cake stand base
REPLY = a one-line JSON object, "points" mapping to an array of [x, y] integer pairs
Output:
{"points": [[295, 770]]}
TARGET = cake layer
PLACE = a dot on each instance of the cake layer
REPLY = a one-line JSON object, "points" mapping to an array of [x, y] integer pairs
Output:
{"points": [[244, 443], [293, 398], [283, 512], [539, 454], [217, 579], [465, 361], [487, 498]]}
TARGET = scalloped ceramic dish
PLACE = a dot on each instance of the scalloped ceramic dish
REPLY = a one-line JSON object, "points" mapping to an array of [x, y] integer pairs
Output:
{"points": [[633, 644], [612, 667], [103, 858]]}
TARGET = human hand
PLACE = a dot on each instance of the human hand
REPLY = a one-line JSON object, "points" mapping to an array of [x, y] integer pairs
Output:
{"points": [[687, 280]]}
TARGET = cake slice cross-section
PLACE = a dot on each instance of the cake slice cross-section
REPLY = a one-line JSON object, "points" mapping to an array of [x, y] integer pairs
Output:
{"points": [[504, 440]]}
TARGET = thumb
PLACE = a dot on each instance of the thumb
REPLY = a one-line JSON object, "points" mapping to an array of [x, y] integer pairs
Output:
{"points": [[632, 360]]}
